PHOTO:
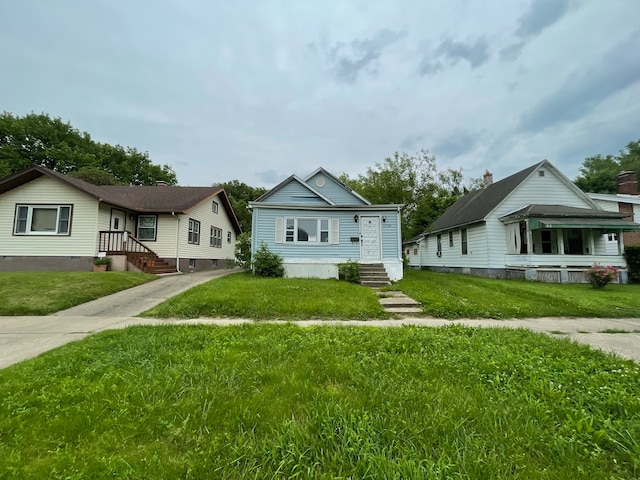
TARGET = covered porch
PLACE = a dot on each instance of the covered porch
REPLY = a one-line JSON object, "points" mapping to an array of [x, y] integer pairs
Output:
{"points": [[556, 243]]}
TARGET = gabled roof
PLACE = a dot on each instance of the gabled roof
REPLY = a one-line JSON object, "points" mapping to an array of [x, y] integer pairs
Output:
{"points": [[286, 181], [338, 182], [476, 206], [142, 199]]}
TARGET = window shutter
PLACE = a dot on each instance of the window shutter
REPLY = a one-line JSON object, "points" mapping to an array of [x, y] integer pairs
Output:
{"points": [[279, 229], [335, 231]]}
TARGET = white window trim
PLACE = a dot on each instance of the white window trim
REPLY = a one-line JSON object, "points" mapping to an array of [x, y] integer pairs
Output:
{"points": [[29, 219], [332, 231]]}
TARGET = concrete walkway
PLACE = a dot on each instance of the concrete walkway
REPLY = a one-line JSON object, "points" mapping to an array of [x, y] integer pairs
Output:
{"points": [[22, 338]]}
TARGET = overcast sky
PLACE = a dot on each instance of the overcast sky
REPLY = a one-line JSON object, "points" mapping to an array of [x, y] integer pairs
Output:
{"points": [[259, 90]]}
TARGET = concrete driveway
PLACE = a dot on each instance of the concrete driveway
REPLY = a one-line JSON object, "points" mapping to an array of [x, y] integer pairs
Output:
{"points": [[22, 338]]}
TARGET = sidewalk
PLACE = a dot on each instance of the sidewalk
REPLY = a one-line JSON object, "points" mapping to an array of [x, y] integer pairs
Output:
{"points": [[26, 337]]}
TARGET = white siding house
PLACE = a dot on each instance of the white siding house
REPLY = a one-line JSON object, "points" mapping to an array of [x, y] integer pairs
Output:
{"points": [[50, 221], [317, 222], [534, 224]]}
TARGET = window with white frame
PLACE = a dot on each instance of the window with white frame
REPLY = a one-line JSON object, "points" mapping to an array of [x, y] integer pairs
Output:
{"points": [[147, 226], [438, 245], [228, 237], [194, 232], [450, 238], [42, 220], [214, 206], [215, 237], [307, 230]]}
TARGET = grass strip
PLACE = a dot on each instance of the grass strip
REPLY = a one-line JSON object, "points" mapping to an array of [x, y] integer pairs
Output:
{"points": [[280, 401], [243, 295], [42, 293], [448, 295]]}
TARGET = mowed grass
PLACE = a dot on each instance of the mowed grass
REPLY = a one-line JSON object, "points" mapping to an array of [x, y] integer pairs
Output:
{"points": [[243, 295], [281, 401], [42, 293], [450, 295]]}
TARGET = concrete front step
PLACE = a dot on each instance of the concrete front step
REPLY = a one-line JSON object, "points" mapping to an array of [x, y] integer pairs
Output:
{"points": [[393, 302], [403, 310], [374, 284]]}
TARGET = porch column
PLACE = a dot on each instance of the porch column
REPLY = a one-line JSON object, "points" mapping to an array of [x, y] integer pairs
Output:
{"points": [[560, 241], [620, 242], [529, 238]]}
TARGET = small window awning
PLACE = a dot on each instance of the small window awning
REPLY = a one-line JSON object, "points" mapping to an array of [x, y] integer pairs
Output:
{"points": [[606, 224]]}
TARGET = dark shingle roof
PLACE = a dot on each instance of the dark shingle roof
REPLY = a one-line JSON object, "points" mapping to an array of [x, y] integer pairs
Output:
{"points": [[541, 211], [475, 206], [144, 199]]}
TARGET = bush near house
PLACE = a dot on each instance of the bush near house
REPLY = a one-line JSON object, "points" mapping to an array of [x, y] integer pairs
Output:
{"points": [[600, 276], [266, 263]]}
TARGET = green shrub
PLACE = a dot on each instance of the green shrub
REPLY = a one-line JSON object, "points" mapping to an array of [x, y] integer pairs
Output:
{"points": [[266, 263], [349, 271], [101, 261], [632, 256]]}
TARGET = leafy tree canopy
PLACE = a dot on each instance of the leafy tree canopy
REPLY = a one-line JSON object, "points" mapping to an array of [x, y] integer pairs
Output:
{"points": [[598, 173], [38, 139], [416, 182], [240, 194]]}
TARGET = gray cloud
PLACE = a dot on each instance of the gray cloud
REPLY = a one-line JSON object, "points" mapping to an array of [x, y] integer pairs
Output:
{"points": [[584, 90], [412, 142], [349, 61], [540, 15], [475, 52], [457, 144]]}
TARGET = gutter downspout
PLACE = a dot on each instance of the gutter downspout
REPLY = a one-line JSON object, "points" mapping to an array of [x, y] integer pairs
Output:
{"points": [[177, 241]]}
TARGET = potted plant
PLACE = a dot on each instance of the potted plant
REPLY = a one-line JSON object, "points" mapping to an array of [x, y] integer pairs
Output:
{"points": [[100, 264]]}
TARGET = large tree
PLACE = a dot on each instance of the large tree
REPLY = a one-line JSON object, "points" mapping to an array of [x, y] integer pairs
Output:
{"points": [[416, 182], [598, 173], [38, 139], [240, 194]]}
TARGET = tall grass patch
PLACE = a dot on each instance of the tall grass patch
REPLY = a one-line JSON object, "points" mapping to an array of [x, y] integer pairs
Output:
{"points": [[449, 295], [280, 401], [244, 295], [42, 293]]}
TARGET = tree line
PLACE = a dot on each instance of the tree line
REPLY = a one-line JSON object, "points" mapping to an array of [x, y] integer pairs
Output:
{"points": [[410, 179]]}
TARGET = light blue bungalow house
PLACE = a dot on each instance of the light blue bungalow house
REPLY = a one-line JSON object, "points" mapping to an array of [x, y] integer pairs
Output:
{"points": [[316, 222]]}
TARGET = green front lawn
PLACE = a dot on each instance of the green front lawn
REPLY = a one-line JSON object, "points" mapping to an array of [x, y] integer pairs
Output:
{"points": [[244, 295], [42, 293], [281, 401], [450, 295]]}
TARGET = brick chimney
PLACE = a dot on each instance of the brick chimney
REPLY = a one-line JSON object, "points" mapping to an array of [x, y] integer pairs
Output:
{"points": [[487, 178], [627, 183]]}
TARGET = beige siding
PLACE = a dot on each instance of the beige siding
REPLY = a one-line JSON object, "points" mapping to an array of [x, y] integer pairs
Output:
{"points": [[166, 240], [207, 218], [45, 190]]}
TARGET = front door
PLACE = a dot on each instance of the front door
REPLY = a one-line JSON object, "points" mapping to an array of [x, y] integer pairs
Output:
{"points": [[118, 218], [369, 238]]}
